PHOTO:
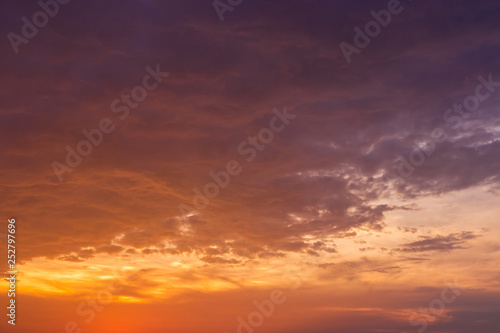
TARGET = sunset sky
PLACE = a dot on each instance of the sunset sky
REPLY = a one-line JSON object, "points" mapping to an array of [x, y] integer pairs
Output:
{"points": [[242, 157]]}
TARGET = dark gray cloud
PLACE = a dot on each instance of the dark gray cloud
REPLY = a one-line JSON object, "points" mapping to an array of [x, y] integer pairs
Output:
{"points": [[439, 243]]}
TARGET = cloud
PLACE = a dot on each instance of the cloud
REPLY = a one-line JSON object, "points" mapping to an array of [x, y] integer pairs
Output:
{"points": [[309, 195], [111, 249], [439, 243], [320, 176], [219, 260]]}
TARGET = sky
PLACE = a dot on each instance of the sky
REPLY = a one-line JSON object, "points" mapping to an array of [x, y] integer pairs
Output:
{"points": [[251, 166]]}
